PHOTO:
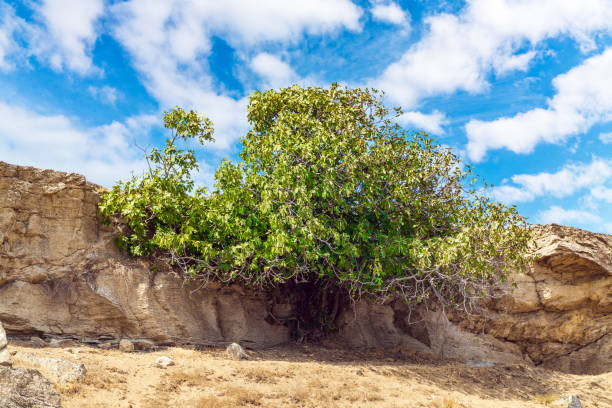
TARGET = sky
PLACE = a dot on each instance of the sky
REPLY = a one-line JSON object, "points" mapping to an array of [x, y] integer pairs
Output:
{"points": [[521, 90]]}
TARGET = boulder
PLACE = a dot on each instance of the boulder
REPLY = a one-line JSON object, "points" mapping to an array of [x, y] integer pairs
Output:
{"points": [[26, 388], [58, 370], [126, 346], [163, 362], [236, 352], [573, 401], [5, 357]]}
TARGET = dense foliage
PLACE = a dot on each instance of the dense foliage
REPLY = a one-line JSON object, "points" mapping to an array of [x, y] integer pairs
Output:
{"points": [[330, 192]]}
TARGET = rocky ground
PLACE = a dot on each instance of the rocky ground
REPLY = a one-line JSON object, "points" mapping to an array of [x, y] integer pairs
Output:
{"points": [[305, 376]]}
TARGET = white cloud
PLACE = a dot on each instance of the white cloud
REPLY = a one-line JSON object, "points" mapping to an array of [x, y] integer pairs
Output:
{"points": [[389, 13], [559, 215], [602, 193], [275, 72], [70, 33], [11, 27], [103, 154], [606, 137], [565, 182], [458, 52], [582, 99], [430, 123], [62, 33], [106, 94], [170, 42]]}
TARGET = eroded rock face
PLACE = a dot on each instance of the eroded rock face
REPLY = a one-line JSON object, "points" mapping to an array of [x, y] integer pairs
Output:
{"points": [[559, 316], [61, 275]]}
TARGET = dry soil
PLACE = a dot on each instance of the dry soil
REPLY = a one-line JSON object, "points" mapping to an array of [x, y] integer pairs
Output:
{"points": [[311, 376]]}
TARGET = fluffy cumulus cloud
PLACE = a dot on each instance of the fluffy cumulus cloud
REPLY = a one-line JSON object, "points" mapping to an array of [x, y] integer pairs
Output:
{"points": [[61, 34], [390, 13], [458, 52], [274, 72], [70, 33], [170, 43], [430, 123], [582, 99], [565, 182], [104, 154], [11, 29]]}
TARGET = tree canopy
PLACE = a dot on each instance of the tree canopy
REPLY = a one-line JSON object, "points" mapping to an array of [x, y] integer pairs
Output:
{"points": [[331, 192]]}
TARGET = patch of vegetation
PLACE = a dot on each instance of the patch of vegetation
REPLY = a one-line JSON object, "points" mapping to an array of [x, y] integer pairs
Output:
{"points": [[331, 200]]}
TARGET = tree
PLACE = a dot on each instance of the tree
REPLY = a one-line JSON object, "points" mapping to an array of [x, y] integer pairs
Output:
{"points": [[333, 200]]}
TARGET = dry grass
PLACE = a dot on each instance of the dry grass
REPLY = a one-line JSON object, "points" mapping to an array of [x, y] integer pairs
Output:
{"points": [[310, 377], [546, 399], [447, 402]]}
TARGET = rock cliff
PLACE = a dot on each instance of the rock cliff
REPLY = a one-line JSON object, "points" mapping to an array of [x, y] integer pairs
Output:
{"points": [[559, 315], [61, 276]]}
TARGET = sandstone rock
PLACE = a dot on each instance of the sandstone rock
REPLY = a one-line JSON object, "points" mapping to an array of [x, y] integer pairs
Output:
{"points": [[126, 346], [390, 326], [63, 265], [26, 388], [163, 362], [60, 371], [56, 258], [5, 357], [569, 325], [236, 352], [105, 346], [559, 316]]}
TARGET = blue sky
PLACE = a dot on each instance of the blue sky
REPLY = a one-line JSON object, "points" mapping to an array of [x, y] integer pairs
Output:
{"points": [[522, 90]]}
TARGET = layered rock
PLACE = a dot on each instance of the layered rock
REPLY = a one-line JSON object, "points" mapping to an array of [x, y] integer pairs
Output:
{"points": [[61, 275], [559, 315]]}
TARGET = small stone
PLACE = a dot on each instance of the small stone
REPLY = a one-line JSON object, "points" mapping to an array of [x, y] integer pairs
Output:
{"points": [[236, 352], [37, 342], [126, 346], [359, 371], [163, 362], [105, 346], [5, 358], [573, 401]]}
